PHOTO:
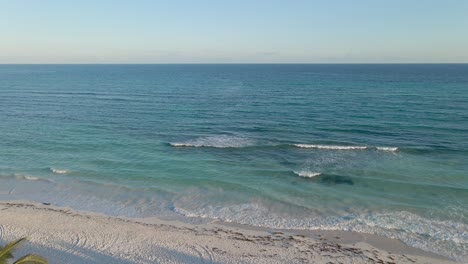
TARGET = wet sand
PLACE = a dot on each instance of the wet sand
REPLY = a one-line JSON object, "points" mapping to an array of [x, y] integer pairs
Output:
{"points": [[64, 235]]}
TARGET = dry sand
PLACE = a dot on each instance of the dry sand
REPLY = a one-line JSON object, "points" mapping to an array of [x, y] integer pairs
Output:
{"points": [[64, 235]]}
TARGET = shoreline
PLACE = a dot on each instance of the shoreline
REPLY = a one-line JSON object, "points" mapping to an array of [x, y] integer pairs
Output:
{"points": [[65, 235]]}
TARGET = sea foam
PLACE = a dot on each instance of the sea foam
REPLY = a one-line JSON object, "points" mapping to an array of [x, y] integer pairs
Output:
{"points": [[446, 238], [26, 177], [29, 177]]}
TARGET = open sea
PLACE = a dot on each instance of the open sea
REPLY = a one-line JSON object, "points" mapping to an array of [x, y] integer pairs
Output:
{"points": [[380, 149]]}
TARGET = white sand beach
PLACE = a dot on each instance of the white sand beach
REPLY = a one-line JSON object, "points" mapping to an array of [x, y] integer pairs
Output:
{"points": [[64, 235]]}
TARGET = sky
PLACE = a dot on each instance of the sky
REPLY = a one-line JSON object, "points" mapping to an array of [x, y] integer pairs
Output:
{"points": [[235, 31]]}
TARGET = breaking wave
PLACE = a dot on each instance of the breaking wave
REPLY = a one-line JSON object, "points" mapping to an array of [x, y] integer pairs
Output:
{"points": [[223, 141], [337, 147], [307, 174], [331, 147], [391, 149], [58, 171]]}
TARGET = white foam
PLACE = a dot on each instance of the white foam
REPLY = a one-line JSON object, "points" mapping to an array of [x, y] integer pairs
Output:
{"points": [[222, 141], [331, 147], [307, 174], [182, 145], [58, 171], [446, 238], [390, 149], [28, 177], [337, 147]]}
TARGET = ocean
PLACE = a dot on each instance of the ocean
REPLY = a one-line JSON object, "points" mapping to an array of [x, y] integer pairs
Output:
{"points": [[375, 148]]}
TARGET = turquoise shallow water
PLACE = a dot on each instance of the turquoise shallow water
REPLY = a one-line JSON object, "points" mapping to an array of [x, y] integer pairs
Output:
{"points": [[371, 148]]}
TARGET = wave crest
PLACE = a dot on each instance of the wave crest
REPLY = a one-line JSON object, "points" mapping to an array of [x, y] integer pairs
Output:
{"points": [[390, 149], [331, 147], [58, 171], [307, 174], [215, 142], [338, 147]]}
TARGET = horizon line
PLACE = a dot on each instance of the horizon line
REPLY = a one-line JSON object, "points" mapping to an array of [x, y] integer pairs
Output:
{"points": [[246, 63]]}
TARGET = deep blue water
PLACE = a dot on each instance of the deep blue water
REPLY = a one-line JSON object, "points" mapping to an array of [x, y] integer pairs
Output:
{"points": [[372, 148]]}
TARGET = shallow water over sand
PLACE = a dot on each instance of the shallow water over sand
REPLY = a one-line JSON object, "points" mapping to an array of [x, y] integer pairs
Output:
{"points": [[371, 148]]}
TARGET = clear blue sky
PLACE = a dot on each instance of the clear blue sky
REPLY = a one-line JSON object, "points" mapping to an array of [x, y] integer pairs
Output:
{"points": [[202, 31]]}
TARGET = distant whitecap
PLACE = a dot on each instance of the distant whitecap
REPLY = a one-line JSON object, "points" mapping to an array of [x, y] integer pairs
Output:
{"points": [[331, 147], [337, 147]]}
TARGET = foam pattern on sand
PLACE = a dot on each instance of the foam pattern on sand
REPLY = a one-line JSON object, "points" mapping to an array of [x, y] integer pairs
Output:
{"points": [[446, 238], [66, 236]]}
